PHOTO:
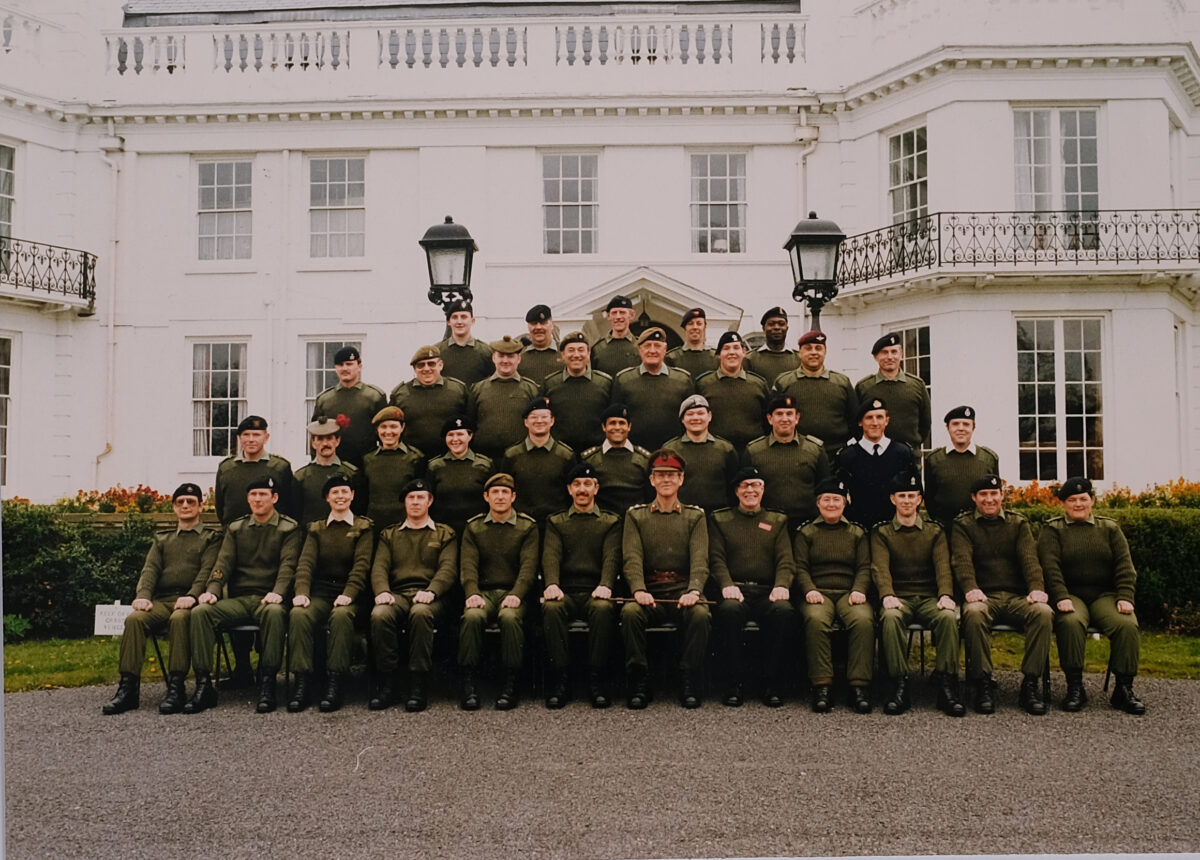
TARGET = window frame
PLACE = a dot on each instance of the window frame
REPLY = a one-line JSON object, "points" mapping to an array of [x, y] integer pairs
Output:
{"points": [[241, 401], [1057, 165], [328, 209], [12, 196], [917, 182], [215, 211], [560, 206], [708, 205]]}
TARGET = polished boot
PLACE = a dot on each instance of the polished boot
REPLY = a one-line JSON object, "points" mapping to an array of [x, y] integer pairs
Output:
{"points": [[172, 703], [203, 697], [384, 694], [1031, 695], [332, 700], [266, 693], [299, 700], [772, 697], [689, 690], [985, 695], [639, 688], [127, 696], [470, 691], [947, 698], [822, 699], [509, 696], [1124, 699], [898, 702], [860, 699], [733, 696], [418, 692], [557, 693], [1076, 696], [598, 689]]}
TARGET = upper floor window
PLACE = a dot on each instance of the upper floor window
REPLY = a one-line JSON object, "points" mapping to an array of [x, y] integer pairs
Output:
{"points": [[218, 397], [570, 204], [908, 175], [337, 212], [1057, 160], [719, 204], [223, 211], [8, 162]]}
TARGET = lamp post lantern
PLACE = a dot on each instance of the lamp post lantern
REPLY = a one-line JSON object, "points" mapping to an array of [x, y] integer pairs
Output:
{"points": [[449, 249], [814, 248]]}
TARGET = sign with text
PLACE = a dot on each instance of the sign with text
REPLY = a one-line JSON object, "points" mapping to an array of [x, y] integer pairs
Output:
{"points": [[110, 618]]}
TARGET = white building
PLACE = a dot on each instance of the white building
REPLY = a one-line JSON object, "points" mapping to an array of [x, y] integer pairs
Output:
{"points": [[252, 177]]}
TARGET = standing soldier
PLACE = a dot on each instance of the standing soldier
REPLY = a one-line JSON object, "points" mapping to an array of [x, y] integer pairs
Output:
{"points": [[907, 394], [617, 350], [664, 546], [254, 568], [579, 393], [351, 403], [175, 572], [833, 569], [388, 468], [653, 391], [869, 465], [995, 564], [751, 558], [464, 357], [737, 397], [795, 463], [828, 405], [458, 476], [538, 464], [950, 471], [622, 468], [325, 437], [429, 399], [499, 558], [416, 563], [1091, 579], [580, 559], [330, 576], [497, 403], [540, 358], [695, 356], [773, 357], [712, 462], [910, 563]]}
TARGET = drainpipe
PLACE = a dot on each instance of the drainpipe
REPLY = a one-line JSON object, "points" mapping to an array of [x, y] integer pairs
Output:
{"points": [[806, 136], [110, 144]]}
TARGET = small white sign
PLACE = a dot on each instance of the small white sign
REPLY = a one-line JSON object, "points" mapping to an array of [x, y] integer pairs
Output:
{"points": [[110, 618]]}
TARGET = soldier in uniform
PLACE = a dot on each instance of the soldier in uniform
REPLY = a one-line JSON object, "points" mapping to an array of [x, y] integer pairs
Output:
{"points": [[653, 391], [664, 546], [751, 558], [869, 465], [580, 559], [795, 463], [416, 564], [325, 436], [695, 355], [254, 568], [458, 476], [1091, 579], [995, 564], [617, 350], [175, 572], [906, 394], [464, 357], [498, 564], [910, 563], [540, 358], [330, 577], [498, 402], [622, 468], [712, 462], [538, 464], [428, 400], [388, 468], [773, 357], [579, 393], [950, 471], [351, 403], [828, 405], [737, 397], [833, 570]]}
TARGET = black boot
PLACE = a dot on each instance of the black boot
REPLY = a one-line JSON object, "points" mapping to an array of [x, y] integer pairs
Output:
{"points": [[332, 700], [822, 699], [1076, 696], [947, 699], [203, 697], [1031, 695], [899, 701], [266, 693], [127, 696], [418, 692], [384, 694], [985, 695], [860, 699], [299, 700], [558, 693], [172, 703], [689, 690], [510, 695], [598, 689], [733, 696], [470, 691], [639, 688], [1124, 699]]}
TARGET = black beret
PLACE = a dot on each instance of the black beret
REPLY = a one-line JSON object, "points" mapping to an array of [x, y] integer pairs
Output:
{"points": [[347, 353], [458, 305], [870, 404], [746, 473], [535, 404], [889, 339], [618, 301], [653, 333], [188, 489], [252, 422], [693, 314], [615, 410], [263, 482], [581, 470], [337, 479], [538, 313], [960, 412], [416, 485], [780, 401], [813, 336], [727, 338], [1073, 487], [987, 482], [573, 337], [457, 422], [831, 485], [905, 482], [772, 313]]}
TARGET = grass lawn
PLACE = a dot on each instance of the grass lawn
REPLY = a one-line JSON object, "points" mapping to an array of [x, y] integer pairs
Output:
{"points": [[54, 663]]}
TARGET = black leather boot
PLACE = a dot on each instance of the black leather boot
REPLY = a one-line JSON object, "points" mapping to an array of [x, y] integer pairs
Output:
{"points": [[557, 693], [1031, 695], [985, 695], [299, 700], [384, 694], [639, 688], [203, 697], [1076, 696], [860, 699], [598, 689], [898, 702], [470, 691], [266, 693], [418, 692], [332, 700], [127, 697], [822, 699], [1124, 699], [172, 703], [947, 699], [689, 690], [510, 695]]}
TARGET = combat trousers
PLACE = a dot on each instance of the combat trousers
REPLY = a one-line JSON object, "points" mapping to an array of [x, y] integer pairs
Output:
{"points": [[893, 634], [776, 618], [859, 620], [304, 621], [1070, 628], [694, 623], [601, 618], [271, 619], [421, 620], [512, 631], [138, 627], [1015, 609]]}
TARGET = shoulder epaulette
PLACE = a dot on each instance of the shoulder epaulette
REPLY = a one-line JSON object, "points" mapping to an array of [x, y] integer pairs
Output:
{"points": [[590, 451], [751, 373], [476, 517], [638, 449], [236, 525], [315, 526], [704, 375], [814, 440], [643, 505], [964, 516], [1016, 514], [723, 513], [625, 370], [287, 524], [523, 516], [696, 508], [375, 388]]}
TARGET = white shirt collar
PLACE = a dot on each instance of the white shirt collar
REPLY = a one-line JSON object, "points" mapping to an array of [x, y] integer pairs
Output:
{"points": [[348, 519], [950, 449], [607, 446], [869, 446]]}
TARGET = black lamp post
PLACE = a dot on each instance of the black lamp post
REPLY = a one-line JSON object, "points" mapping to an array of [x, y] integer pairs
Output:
{"points": [[814, 247], [449, 249]]}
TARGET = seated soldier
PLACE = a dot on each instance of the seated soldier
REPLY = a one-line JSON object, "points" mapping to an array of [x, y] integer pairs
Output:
{"points": [[176, 570], [416, 563], [1091, 579], [622, 468], [254, 568], [330, 576], [833, 569], [579, 561]]}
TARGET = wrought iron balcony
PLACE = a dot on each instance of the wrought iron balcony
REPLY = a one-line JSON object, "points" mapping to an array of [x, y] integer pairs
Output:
{"points": [[956, 241], [47, 272]]}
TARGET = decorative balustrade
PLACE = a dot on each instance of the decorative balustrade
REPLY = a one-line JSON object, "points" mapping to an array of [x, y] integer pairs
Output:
{"points": [[48, 272], [1022, 240]]}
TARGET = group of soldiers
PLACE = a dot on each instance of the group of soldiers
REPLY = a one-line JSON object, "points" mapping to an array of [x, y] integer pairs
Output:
{"points": [[791, 499]]}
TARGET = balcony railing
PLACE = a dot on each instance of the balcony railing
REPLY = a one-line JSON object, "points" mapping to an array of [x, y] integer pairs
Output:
{"points": [[47, 272], [1118, 238]]}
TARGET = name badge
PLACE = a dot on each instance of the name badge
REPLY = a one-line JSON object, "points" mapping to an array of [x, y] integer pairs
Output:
{"points": [[766, 526]]}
